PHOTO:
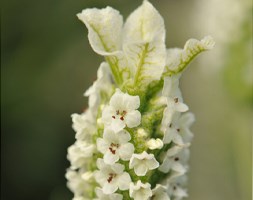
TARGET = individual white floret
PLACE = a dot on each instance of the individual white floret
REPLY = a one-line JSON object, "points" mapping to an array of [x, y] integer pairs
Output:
{"points": [[142, 163], [160, 193], [175, 159], [111, 177], [79, 152], [122, 111], [178, 131], [140, 191], [174, 100], [115, 146], [84, 124], [80, 187], [175, 188]]}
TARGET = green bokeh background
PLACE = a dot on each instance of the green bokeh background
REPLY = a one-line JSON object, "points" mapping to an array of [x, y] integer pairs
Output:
{"points": [[47, 64]]}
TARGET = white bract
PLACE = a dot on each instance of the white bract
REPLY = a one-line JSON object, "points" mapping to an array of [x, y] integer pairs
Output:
{"points": [[112, 177], [139, 43], [115, 146], [136, 115], [122, 111], [142, 163], [140, 191]]}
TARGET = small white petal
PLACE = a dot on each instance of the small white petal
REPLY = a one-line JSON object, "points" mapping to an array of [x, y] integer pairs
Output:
{"points": [[110, 158], [133, 119], [131, 102], [117, 100], [165, 166], [181, 107], [118, 168], [169, 135], [178, 167], [124, 181], [178, 139], [152, 163], [109, 188], [102, 145], [126, 151], [100, 177], [140, 169], [110, 136], [123, 136], [117, 125]]}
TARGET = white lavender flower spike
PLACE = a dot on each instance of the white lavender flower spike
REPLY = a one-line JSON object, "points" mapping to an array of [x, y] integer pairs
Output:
{"points": [[133, 140]]}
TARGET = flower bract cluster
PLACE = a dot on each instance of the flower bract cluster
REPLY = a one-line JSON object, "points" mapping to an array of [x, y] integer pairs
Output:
{"points": [[133, 140]]}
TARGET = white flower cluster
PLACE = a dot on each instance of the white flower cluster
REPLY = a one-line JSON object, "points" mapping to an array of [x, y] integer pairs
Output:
{"points": [[132, 142]]}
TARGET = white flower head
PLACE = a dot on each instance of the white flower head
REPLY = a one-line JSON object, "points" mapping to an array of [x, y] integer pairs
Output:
{"points": [[142, 163], [111, 177], [122, 111], [112, 129], [102, 196], [115, 146], [140, 191], [160, 193]]}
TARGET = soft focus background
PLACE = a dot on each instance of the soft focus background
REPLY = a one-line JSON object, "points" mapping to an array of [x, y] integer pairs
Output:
{"points": [[47, 64]]}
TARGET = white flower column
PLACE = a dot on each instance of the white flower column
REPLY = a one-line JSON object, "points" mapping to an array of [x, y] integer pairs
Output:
{"points": [[132, 142]]}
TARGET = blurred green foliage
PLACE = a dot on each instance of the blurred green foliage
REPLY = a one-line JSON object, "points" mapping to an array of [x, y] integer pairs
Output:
{"points": [[238, 64], [47, 64]]}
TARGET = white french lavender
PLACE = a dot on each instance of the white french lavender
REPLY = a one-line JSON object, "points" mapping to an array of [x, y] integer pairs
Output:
{"points": [[133, 140]]}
